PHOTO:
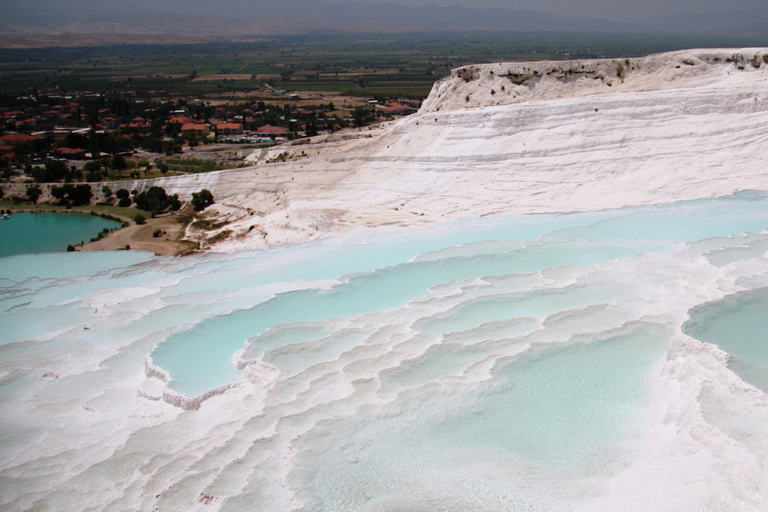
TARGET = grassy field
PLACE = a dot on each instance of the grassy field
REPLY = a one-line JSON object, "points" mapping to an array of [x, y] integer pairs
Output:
{"points": [[362, 65]]}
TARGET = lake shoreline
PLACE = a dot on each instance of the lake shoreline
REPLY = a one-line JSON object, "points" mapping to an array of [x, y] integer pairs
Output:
{"points": [[135, 237]]}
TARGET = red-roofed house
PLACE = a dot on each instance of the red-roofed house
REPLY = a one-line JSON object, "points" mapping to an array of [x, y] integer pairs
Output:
{"points": [[199, 129], [229, 129], [181, 119], [396, 109], [18, 137], [272, 131], [72, 153]]}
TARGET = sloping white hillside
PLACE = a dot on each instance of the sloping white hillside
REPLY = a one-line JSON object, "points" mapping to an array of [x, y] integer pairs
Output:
{"points": [[531, 137], [507, 83]]}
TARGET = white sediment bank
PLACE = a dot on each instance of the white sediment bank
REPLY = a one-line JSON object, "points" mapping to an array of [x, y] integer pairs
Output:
{"points": [[514, 138], [340, 401]]}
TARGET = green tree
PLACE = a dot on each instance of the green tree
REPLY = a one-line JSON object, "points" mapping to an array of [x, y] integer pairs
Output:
{"points": [[7, 173], [75, 141], [33, 193], [153, 144], [22, 149], [173, 202], [92, 166], [153, 200], [93, 169], [79, 194], [171, 146], [119, 164], [362, 116], [59, 193], [311, 130], [201, 200], [52, 171], [125, 198]]}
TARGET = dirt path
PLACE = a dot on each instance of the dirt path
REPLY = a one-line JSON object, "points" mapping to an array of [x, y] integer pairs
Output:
{"points": [[141, 238]]}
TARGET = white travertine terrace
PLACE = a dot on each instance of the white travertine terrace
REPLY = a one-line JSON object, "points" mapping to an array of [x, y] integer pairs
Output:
{"points": [[89, 424], [512, 138]]}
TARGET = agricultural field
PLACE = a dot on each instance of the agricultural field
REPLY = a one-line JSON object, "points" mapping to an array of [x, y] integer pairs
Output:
{"points": [[394, 66]]}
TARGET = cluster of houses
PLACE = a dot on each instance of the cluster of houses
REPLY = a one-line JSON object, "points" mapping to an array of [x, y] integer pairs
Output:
{"points": [[46, 125]]}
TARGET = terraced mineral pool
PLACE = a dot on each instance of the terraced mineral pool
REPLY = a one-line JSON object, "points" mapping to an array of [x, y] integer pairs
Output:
{"points": [[737, 324], [494, 364]]}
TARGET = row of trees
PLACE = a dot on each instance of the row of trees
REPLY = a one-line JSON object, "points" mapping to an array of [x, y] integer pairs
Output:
{"points": [[154, 200], [76, 195]]}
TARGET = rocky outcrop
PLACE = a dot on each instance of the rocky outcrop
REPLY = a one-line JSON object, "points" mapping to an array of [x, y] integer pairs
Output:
{"points": [[506, 83]]}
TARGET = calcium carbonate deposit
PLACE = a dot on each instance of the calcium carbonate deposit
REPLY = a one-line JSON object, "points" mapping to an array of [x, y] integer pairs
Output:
{"points": [[497, 304]]}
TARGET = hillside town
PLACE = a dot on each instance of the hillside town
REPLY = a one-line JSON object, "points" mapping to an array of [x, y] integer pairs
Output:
{"points": [[104, 136]]}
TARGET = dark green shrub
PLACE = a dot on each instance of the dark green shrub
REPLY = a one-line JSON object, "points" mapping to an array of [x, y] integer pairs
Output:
{"points": [[153, 200], [201, 200], [33, 193]]}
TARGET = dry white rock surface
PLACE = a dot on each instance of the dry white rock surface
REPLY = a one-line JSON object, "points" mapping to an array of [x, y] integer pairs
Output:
{"points": [[85, 427], [511, 138]]}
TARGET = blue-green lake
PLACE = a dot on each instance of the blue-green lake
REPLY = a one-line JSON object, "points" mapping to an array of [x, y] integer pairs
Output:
{"points": [[32, 233]]}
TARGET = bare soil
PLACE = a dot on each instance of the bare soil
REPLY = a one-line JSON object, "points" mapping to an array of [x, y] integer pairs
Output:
{"points": [[141, 238]]}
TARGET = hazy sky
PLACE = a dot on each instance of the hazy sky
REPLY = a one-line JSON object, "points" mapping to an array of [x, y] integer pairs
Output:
{"points": [[671, 16], [624, 10]]}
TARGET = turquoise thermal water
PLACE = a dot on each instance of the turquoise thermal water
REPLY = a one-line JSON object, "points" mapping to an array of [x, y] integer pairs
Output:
{"points": [[488, 364], [548, 421], [391, 272], [737, 324], [30, 233]]}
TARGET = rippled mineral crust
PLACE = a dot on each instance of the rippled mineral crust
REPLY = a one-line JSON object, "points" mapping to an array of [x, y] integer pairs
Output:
{"points": [[87, 423]]}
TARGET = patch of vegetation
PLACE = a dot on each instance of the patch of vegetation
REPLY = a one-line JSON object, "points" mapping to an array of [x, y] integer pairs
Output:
{"points": [[33, 193], [124, 198], [74, 195], [201, 200], [156, 200]]}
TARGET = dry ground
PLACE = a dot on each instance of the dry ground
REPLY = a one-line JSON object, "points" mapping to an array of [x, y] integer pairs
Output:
{"points": [[141, 238]]}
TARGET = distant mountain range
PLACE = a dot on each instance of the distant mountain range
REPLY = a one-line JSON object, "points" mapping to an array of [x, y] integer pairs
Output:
{"points": [[268, 18]]}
